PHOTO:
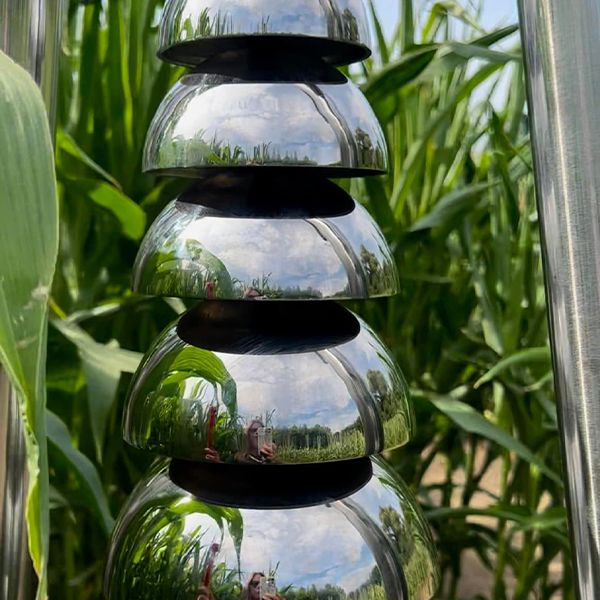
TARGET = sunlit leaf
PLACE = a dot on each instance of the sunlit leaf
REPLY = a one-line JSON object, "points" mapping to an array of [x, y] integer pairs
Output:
{"points": [[527, 357], [28, 247], [468, 419]]}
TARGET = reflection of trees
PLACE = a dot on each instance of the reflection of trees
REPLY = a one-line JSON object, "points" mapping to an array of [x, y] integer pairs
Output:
{"points": [[329, 592], [389, 402], [405, 531], [350, 25], [399, 531], [381, 274], [316, 443], [372, 589]]}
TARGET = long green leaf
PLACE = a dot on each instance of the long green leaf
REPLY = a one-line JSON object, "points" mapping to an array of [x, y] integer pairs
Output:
{"points": [[102, 365], [130, 216], [28, 246], [452, 206], [525, 357], [468, 419], [83, 470], [398, 74]]}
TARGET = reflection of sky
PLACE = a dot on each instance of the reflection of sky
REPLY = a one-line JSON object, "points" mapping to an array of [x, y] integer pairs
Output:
{"points": [[367, 353], [287, 252], [309, 546], [313, 546], [317, 122], [306, 16], [373, 497], [242, 116], [301, 388]]}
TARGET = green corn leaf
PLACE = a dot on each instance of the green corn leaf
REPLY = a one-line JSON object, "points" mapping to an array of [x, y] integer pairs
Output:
{"points": [[66, 146], [28, 246], [102, 365], [452, 206], [468, 419], [381, 42], [398, 74], [523, 358], [130, 216], [82, 468]]}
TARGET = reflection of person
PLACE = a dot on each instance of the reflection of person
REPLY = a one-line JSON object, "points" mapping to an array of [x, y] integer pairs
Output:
{"points": [[251, 453], [252, 591], [204, 594]]}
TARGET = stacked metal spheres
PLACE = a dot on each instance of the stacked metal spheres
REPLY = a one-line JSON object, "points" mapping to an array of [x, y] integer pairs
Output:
{"points": [[270, 400]]}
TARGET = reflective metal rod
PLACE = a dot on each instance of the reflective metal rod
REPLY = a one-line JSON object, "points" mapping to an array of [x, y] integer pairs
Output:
{"points": [[562, 50], [29, 33]]}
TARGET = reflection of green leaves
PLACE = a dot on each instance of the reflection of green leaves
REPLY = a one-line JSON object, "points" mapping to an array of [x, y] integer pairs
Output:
{"points": [[28, 247], [204, 275], [195, 362]]}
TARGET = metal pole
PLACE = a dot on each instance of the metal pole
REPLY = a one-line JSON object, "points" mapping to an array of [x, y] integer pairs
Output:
{"points": [[29, 33], [561, 39]]}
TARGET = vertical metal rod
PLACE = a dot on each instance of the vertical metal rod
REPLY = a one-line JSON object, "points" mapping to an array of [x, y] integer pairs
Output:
{"points": [[561, 40], [30, 33]]}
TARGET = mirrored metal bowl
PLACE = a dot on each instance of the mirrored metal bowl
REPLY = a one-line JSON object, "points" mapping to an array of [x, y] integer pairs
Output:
{"points": [[266, 384], [215, 122], [372, 544], [193, 30], [193, 251]]}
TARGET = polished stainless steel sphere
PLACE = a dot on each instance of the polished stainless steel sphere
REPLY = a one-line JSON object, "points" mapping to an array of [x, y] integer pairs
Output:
{"points": [[371, 543], [193, 30], [194, 251], [215, 122], [268, 391]]}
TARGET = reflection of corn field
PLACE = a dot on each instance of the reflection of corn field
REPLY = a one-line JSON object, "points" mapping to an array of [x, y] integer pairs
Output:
{"points": [[351, 443], [396, 431]]}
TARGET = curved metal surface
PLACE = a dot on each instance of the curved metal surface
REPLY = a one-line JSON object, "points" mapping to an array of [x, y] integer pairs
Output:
{"points": [[30, 32], [562, 49], [193, 251], [16, 571], [336, 30], [261, 402], [218, 122], [373, 544]]}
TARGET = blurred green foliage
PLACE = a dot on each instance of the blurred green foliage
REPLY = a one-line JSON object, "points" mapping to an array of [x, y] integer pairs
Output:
{"points": [[469, 328]]}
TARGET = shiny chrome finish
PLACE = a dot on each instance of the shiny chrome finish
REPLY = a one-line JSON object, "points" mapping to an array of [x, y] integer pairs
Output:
{"points": [[373, 544], [259, 398], [562, 49], [194, 30], [213, 122], [30, 33], [193, 251], [16, 580]]}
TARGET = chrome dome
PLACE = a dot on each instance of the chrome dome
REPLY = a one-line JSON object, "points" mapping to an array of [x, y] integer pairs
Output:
{"points": [[218, 122], [194, 30], [371, 544], [258, 398], [192, 251]]}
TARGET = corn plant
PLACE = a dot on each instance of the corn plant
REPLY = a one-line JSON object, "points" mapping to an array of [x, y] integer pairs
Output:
{"points": [[469, 328]]}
